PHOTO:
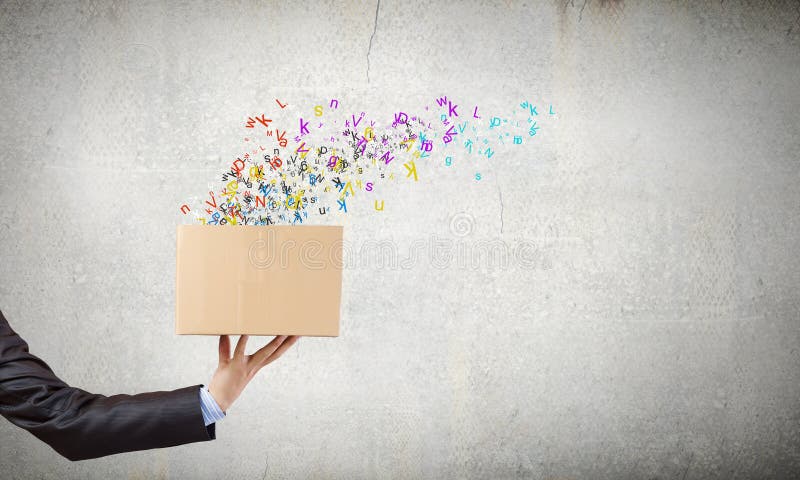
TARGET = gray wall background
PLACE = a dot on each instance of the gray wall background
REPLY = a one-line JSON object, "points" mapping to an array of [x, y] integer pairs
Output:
{"points": [[657, 337]]}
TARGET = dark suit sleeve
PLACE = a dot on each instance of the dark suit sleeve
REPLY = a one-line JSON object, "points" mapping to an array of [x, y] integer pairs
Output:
{"points": [[81, 425]]}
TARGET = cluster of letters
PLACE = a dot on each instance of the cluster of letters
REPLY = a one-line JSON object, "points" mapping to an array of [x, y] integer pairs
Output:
{"points": [[325, 159]]}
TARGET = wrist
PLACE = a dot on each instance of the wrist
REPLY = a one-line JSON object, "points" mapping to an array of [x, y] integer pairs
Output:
{"points": [[223, 405]]}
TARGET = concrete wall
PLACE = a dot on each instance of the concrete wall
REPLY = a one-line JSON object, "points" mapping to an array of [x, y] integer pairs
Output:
{"points": [[655, 336]]}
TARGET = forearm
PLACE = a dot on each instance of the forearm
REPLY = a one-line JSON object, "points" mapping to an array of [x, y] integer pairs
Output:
{"points": [[92, 426], [81, 425]]}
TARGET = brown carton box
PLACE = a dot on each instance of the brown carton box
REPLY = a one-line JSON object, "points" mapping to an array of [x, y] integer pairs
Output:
{"points": [[258, 280]]}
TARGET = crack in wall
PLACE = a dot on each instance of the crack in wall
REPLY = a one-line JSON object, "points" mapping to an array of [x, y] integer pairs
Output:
{"points": [[580, 15], [501, 208], [374, 29]]}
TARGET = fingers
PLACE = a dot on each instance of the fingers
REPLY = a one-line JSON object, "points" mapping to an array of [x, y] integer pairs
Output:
{"points": [[264, 352], [224, 348], [240, 345], [280, 350]]}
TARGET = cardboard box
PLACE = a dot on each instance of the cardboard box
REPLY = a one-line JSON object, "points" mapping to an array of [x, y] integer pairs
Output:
{"points": [[258, 280]]}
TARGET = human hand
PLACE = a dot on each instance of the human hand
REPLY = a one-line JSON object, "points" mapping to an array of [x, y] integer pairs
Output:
{"points": [[233, 374]]}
